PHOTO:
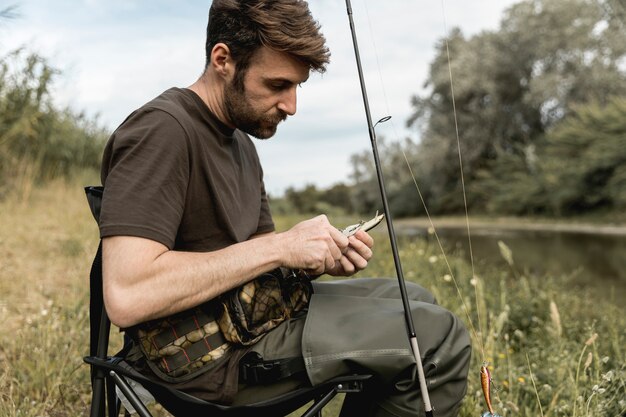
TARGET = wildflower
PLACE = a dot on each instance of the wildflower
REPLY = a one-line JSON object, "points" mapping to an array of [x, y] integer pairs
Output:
{"points": [[501, 355], [431, 230], [521, 380], [432, 259], [506, 252], [591, 340], [473, 281], [513, 407], [555, 317], [447, 277], [588, 361], [596, 388]]}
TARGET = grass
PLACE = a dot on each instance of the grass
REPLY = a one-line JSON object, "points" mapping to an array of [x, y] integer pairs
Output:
{"points": [[551, 352]]}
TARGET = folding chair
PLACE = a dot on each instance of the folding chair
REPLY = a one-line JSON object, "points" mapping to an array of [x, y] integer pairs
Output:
{"points": [[109, 372]]}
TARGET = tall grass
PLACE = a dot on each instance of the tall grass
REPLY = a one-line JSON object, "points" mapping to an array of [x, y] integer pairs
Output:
{"points": [[574, 344], [45, 245], [38, 139]]}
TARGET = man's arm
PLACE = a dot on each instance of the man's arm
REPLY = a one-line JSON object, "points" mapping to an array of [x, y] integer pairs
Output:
{"points": [[144, 280]]}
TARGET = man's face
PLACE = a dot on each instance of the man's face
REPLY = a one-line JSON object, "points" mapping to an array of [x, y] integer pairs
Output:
{"points": [[268, 95]]}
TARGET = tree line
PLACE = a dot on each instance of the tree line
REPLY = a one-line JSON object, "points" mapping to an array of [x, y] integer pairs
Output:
{"points": [[541, 113], [540, 106], [39, 140]]}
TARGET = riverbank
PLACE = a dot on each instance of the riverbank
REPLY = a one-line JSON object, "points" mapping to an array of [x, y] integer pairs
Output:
{"points": [[589, 257], [514, 224]]}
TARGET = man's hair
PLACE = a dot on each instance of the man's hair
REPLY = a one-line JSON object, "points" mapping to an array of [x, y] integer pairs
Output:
{"points": [[282, 25]]}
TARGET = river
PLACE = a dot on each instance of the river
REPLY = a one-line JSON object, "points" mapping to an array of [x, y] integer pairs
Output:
{"points": [[591, 258]]}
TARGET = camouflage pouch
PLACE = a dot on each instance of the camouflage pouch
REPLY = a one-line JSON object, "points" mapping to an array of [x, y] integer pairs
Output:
{"points": [[181, 346], [248, 312]]}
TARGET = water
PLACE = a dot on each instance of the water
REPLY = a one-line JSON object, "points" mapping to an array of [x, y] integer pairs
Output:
{"points": [[591, 262]]}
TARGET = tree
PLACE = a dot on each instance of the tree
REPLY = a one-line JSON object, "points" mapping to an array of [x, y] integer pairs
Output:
{"points": [[511, 86], [584, 161], [39, 141], [579, 166], [365, 193]]}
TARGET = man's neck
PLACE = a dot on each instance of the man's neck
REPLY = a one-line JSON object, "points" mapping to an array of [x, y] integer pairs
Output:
{"points": [[212, 96]]}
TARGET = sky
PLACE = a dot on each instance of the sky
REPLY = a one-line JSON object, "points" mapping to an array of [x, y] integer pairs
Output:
{"points": [[115, 55]]}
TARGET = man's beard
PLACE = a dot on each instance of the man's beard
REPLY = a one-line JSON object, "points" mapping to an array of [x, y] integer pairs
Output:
{"points": [[245, 117]]}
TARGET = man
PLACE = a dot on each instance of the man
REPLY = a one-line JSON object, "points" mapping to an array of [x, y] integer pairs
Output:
{"points": [[185, 219]]}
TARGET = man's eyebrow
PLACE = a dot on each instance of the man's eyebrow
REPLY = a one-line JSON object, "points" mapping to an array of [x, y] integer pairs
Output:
{"points": [[284, 80]]}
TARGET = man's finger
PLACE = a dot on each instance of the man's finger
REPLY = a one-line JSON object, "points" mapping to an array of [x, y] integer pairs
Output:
{"points": [[360, 247], [356, 259], [340, 240], [365, 238], [347, 266], [330, 262]]}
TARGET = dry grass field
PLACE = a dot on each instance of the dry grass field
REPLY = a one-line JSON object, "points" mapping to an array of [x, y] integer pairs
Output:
{"points": [[46, 242], [552, 352]]}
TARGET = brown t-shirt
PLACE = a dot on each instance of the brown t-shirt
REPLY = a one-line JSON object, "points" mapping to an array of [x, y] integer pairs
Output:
{"points": [[173, 173]]}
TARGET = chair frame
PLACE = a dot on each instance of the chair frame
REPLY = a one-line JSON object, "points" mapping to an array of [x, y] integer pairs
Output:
{"points": [[109, 372]]}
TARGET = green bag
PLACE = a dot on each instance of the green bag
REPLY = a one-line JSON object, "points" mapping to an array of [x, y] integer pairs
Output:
{"points": [[248, 312], [181, 346]]}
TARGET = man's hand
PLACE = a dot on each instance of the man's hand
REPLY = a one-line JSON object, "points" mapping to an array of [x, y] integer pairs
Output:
{"points": [[355, 257], [318, 247]]}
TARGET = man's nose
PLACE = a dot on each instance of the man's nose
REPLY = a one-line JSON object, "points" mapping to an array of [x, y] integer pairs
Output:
{"points": [[287, 102]]}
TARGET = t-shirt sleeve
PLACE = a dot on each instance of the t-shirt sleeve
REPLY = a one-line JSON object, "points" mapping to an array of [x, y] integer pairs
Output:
{"points": [[145, 176]]}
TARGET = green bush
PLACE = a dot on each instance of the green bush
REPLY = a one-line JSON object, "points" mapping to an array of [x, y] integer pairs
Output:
{"points": [[38, 140]]}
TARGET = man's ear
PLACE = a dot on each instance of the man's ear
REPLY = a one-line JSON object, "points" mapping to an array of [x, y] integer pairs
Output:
{"points": [[222, 61]]}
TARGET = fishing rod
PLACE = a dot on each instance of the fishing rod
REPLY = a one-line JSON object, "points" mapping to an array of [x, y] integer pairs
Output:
{"points": [[392, 234]]}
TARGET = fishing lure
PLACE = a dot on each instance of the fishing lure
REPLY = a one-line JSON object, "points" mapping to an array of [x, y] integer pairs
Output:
{"points": [[362, 225], [485, 382]]}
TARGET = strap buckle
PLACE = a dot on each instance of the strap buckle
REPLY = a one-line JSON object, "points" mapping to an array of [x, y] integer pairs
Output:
{"points": [[254, 370]]}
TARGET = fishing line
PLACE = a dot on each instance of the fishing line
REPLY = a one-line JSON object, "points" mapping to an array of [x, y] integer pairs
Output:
{"points": [[458, 141], [423, 201]]}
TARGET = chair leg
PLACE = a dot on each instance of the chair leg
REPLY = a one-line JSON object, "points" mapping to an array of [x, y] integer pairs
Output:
{"points": [[130, 395], [316, 408], [97, 395], [113, 403]]}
